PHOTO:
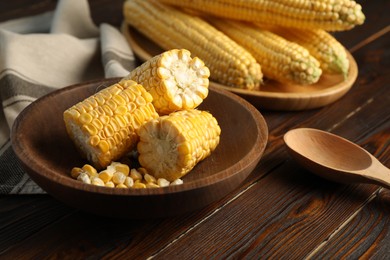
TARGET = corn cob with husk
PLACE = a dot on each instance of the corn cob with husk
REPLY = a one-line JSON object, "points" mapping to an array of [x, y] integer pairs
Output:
{"points": [[174, 79], [322, 45], [229, 63], [103, 126], [330, 15], [281, 60], [170, 146]]}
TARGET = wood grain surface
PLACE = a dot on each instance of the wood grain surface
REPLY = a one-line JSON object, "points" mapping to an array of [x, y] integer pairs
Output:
{"points": [[281, 211]]}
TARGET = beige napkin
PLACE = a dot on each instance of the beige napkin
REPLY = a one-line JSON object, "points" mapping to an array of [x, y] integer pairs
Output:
{"points": [[46, 52]]}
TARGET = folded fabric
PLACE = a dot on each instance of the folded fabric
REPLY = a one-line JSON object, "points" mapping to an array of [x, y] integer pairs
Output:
{"points": [[46, 52]]}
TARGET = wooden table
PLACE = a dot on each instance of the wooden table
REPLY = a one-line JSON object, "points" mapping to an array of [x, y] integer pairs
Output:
{"points": [[280, 211]]}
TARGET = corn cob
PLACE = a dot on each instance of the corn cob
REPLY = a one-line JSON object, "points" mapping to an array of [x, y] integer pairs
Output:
{"points": [[103, 126], [330, 15], [281, 60], [323, 46], [170, 146], [229, 63], [174, 79]]}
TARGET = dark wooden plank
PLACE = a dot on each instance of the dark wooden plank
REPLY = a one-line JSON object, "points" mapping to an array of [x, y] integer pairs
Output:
{"points": [[21, 217], [366, 236]]}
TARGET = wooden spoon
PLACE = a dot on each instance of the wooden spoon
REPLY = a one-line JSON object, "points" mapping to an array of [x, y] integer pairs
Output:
{"points": [[335, 158]]}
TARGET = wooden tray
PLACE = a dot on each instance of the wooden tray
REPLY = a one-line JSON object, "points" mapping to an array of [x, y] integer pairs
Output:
{"points": [[42, 145], [273, 95]]}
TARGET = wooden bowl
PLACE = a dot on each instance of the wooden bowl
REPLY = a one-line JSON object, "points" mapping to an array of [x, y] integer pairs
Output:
{"points": [[47, 154], [273, 95]]}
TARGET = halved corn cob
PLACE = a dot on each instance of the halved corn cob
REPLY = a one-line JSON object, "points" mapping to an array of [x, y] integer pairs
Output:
{"points": [[103, 126], [330, 15], [281, 60], [322, 45], [170, 146], [229, 63], [174, 79]]}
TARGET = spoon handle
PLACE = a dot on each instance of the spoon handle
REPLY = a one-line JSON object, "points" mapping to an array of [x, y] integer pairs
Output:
{"points": [[379, 173]]}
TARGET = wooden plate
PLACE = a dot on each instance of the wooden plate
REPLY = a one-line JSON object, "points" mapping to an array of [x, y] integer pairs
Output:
{"points": [[273, 95], [40, 141]]}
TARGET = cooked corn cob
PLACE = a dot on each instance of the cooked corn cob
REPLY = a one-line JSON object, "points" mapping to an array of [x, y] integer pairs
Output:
{"points": [[170, 146], [323, 46], [229, 63], [103, 126], [174, 79], [281, 60], [329, 15]]}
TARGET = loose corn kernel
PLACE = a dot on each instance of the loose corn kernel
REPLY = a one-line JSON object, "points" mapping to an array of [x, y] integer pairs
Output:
{"points": [[139, 185], [75, 172], [118, 178], [110, 184], [149, 178], [84, 177], [162, 182], [97, 181], [129, 182], [120, 185], [90, 170], [177, 182], [151, 185], [123, 168], [105, 175], [135, 175]]}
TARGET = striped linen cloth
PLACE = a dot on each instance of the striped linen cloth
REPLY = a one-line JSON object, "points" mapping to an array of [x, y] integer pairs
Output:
{"points": [[46, 52]]}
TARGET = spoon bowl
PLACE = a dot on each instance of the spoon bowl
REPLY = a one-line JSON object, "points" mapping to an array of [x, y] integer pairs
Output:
{"points": [[335, 158]]}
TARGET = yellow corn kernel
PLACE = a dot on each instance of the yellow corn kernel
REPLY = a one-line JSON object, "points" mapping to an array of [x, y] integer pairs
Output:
{"points": [[162, 182], [129, 182], [229, 63], [139, 185], [105, 175], [121, 185], [281, 60], [90, 170], [75, 172], [123, 168], [98, 131], [168, 150], [97, 181], [135, 175], [177, 182], [149, 178], [110, 184], [151, 185], [305, 14], [118, 178], [84, 177]]}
